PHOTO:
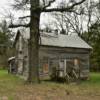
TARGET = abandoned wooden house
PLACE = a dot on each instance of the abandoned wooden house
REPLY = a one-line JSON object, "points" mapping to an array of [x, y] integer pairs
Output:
{"points": [[64, 53]]}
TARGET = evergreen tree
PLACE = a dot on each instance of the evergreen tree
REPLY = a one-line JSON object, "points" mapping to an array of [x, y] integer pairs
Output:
{"points": [[93, 38]]}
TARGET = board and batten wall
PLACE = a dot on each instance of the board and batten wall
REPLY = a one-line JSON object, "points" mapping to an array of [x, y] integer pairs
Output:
{"points": [[54, 54], [49, 57]]}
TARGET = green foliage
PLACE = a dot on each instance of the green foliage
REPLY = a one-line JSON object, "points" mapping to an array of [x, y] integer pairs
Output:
{"points": [[95, 78], [5, 34], [5, 43], [15, 88], [93, 38]]}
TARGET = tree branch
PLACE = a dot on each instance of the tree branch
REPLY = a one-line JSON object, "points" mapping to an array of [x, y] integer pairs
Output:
{"points": [[19, 25], [49, 4], [63, 9], [28, 16], [25, 17]]}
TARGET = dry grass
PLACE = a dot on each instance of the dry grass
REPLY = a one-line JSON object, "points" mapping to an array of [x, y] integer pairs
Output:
{"points": [[13, 88]]}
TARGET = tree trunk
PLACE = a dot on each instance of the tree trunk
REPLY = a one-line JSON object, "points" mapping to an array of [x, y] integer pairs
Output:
{"points": [[33, 76]]}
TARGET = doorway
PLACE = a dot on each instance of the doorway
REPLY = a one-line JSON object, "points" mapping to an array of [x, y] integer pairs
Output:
{"points": [[69, 68]]}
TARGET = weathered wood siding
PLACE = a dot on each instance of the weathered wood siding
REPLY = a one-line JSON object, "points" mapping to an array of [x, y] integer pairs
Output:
{"points": [[54, 54], [50, 57], [19, 55]]}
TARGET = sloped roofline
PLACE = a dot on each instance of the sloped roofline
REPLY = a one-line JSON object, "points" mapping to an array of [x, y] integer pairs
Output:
{"points": [[16, 38], [48, 44]]}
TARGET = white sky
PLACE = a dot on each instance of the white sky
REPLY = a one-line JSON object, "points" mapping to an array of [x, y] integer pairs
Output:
{"points": [[5, 7]]}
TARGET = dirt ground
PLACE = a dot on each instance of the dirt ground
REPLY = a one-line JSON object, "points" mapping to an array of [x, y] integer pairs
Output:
{"points": [[56, 93], [14, 88]]}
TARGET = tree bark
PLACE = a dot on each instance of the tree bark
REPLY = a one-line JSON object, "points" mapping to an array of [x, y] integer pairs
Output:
{"points": [[33, 76]]}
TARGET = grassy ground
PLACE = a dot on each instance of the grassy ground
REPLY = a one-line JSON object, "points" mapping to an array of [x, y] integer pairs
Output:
{"points": [[14, 88]]}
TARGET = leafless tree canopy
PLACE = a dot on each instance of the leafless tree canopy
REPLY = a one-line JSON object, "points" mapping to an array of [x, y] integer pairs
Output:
{"points": [[44, 6]]}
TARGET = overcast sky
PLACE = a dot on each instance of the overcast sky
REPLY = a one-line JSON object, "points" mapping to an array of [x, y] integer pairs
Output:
{"points": [[5, 7]]}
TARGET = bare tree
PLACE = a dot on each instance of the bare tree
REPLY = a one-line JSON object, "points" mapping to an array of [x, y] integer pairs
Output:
{"points": [[36, 8], [74, 22]]}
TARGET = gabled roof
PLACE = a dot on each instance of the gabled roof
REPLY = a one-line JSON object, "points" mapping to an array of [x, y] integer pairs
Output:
{"points": [[60, 40], [16, 37], [65, 41]]}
